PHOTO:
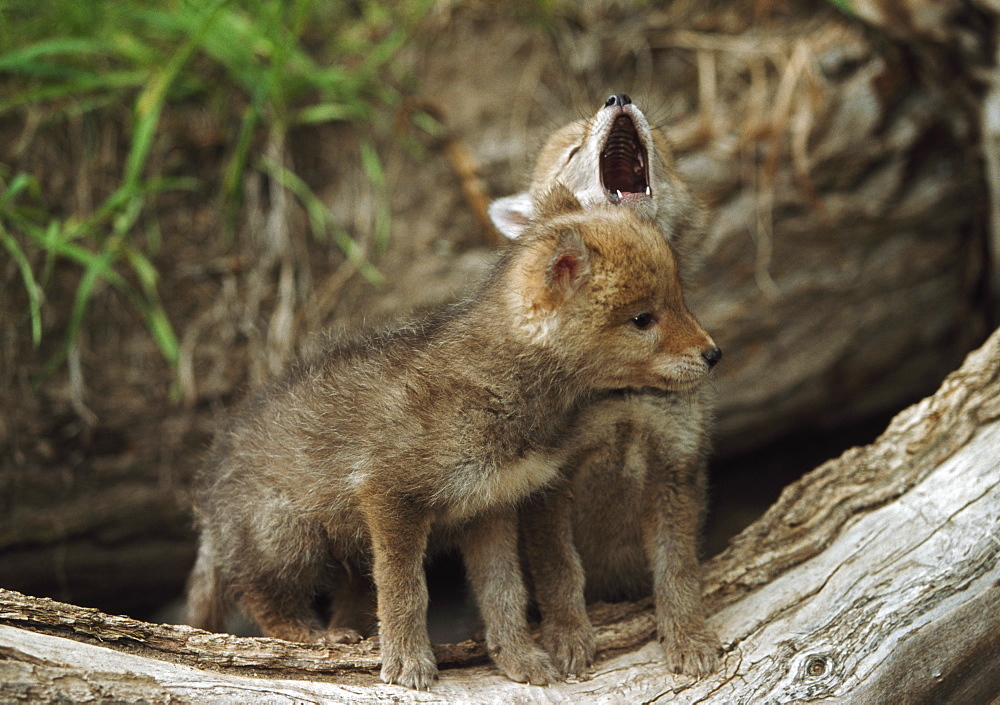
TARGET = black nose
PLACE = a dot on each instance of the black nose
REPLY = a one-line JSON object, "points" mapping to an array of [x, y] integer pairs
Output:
{"points": [[617, 99], [712, 356]]}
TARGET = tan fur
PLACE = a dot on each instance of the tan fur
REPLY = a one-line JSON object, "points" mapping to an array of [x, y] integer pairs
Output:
{"points": [[635, 496], [358, 459]]}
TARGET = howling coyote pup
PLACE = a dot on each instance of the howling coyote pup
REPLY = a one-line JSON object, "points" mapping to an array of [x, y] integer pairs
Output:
{"points": [[444, 424], [636, 474]]}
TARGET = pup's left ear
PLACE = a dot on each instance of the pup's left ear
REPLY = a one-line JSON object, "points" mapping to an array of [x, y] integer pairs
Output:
{"points": [[549, 271], [568, 267], [512, 214]]}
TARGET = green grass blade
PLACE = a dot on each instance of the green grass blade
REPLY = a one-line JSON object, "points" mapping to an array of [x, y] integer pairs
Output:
{"points": [[18, 184], [48, 239], [321, 219], [126, 217], [144, 269], [149, 104], [21, 60], [55, 242], [372, 165], [232, 181], [325, 112], [386, 49], [173, 183], [30, 284], [151, 306], [845, 6], [356, 255], [97, 268], [162, 332]]}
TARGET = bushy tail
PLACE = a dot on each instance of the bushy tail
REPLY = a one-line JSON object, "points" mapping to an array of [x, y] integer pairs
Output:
{"points": [[206, 596]]}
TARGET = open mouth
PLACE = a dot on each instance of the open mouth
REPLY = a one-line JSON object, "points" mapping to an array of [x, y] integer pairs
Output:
{"points": [[624, 162]]}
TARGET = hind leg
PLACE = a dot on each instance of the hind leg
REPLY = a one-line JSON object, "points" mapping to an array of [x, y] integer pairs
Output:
{"points": [[205, 598], [353, 606], [287, 608], [282, 610], [281, 561]]}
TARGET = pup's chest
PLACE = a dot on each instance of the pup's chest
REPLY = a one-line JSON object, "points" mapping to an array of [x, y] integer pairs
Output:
{"points": [[629, 430], [474, 489]]}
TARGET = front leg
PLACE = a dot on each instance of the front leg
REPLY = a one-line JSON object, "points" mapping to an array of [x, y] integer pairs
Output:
{"points": [[557, 578], [671, 519], [399, 534], [489, 548]]}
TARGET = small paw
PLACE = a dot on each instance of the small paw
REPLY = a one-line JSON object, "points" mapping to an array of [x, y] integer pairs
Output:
{"points": [[341, 635], [409, 671], [572, 648], [692, 653], [526, 664]]}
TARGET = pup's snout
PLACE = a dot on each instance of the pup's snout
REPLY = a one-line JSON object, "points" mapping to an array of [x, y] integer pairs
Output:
{"points": [[619, 99], [712, 356]]}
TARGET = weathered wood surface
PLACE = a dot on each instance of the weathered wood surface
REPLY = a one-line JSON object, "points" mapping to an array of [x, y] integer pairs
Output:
{"points": [[874, 579]]}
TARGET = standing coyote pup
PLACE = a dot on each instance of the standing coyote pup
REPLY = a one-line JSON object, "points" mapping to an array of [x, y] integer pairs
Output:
{"points": [[445, 424], [637, 472]]}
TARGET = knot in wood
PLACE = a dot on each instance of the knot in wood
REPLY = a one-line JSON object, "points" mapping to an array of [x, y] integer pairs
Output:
{"points": [[817, 666]]}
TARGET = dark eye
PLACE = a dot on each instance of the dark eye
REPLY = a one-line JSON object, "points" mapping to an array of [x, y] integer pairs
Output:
{"points": [[643, 321]]}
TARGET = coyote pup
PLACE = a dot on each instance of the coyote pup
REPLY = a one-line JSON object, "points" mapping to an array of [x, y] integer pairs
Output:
{"points": [[445, 424], [614, 157], [637, 470]]}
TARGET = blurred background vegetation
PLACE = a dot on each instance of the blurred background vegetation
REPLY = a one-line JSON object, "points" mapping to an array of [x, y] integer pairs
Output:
{"points": [[258, 69]]}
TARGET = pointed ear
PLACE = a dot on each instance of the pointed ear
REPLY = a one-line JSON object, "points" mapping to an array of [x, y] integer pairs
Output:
{"points": [[558, 200], [568, 267], [549, 271], [512, 214]]}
